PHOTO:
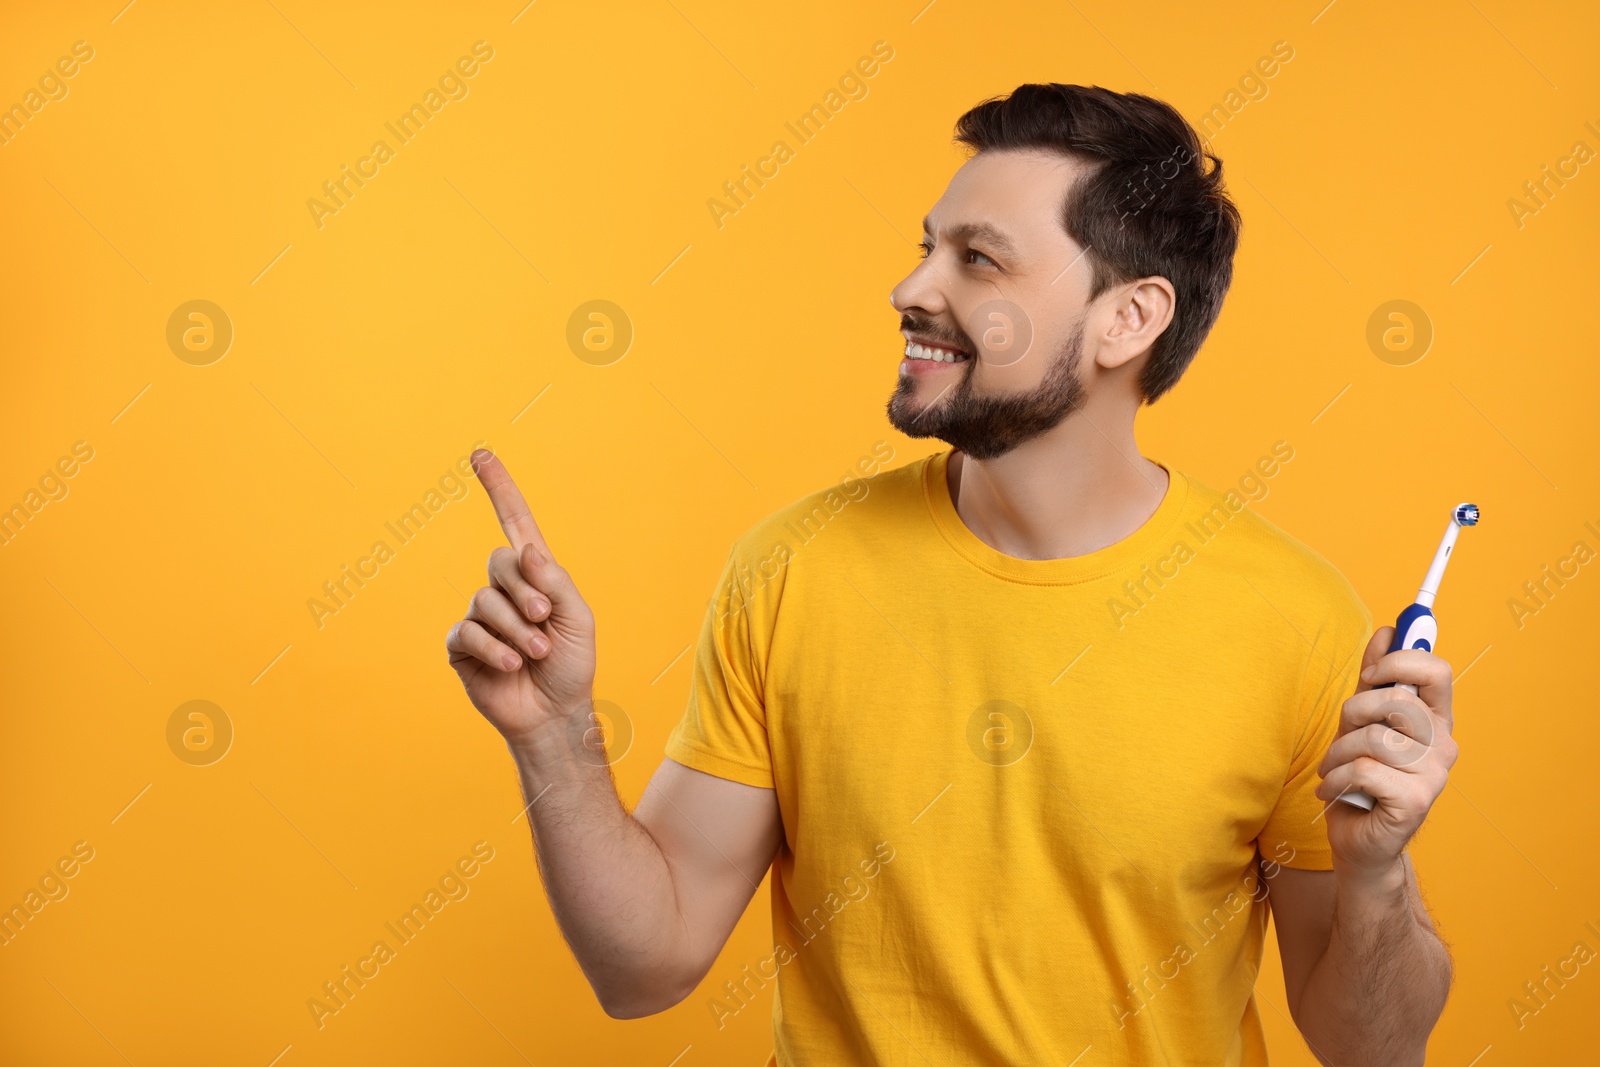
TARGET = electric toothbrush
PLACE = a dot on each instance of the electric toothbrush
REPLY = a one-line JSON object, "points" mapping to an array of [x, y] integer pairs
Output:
{"points": [[1416, 626]]}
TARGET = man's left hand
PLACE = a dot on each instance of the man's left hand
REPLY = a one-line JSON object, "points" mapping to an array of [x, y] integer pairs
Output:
{"points": [[1392, 745]]}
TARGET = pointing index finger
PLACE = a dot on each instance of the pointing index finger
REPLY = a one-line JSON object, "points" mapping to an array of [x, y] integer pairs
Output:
{"points": [[515, 518]]}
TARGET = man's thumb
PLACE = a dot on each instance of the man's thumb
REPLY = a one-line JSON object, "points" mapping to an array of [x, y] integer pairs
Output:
{"points": [[1377, 648], [549, 577]]}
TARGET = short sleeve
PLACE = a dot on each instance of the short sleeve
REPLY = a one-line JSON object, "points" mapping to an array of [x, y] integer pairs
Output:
{"points": [[724, 729], [1296, 834]]}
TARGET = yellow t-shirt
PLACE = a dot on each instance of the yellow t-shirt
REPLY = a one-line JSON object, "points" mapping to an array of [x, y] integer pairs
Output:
{"points": [[1022, 799]]}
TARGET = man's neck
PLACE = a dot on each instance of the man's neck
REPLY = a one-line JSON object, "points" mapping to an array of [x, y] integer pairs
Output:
{"points": [[1065, 493]]}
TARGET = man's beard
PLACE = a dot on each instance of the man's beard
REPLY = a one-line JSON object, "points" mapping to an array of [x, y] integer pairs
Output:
{"points": [[985, 427]]}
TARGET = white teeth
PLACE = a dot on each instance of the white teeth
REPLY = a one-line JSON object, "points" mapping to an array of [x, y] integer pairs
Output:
{"points": [[937, 355]]}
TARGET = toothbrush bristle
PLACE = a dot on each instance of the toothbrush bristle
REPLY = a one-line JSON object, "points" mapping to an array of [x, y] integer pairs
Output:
{"points": [[1467, 514]]}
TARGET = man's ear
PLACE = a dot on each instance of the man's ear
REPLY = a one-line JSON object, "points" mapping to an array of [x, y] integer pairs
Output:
{"points": [[1140, 311]]}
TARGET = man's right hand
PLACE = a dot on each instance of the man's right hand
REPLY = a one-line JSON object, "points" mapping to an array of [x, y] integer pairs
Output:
{"points": [[647, 914], [526, 649]]}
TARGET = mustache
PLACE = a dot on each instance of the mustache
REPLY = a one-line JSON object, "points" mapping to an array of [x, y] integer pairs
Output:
{"points": [[929, 328]]}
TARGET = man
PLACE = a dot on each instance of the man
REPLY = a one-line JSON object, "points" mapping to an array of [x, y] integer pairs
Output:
{"points": [[1036, 730]]}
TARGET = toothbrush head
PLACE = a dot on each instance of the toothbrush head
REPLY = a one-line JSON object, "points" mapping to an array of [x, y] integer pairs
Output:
{"points": [[1466, 515]]}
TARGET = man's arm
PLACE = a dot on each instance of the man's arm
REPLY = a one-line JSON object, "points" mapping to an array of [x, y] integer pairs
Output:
{"points": [[1365, 974], [646, 901]]}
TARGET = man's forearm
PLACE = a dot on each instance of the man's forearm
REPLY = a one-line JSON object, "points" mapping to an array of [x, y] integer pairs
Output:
{"points": [[1380, 986], [608, 883]]}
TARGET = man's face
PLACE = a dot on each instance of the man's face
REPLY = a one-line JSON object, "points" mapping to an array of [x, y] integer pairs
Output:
{"points": [[1002, 291]]}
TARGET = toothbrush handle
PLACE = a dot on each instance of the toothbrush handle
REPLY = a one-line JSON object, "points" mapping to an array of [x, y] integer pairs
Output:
{"points": [[1415, 628]]}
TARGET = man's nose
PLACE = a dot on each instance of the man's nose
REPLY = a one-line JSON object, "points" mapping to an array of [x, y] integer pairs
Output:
{"points": [[921, 290]]}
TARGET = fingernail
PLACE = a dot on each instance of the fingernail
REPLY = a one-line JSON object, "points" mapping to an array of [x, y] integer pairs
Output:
{"points": [[1368, 672]]}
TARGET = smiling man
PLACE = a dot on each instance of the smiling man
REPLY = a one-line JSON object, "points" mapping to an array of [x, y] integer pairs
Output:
{"points": [[1005, 824]]}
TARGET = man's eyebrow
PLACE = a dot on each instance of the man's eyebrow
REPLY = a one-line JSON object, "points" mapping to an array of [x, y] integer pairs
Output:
{"points": [[966, 231]]}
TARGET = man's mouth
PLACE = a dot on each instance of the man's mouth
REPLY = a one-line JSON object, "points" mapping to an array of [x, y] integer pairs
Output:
{"points": [[918, 350]]}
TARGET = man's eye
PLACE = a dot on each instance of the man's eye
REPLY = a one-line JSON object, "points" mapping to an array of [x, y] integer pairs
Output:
{"points": [[925, 249]]}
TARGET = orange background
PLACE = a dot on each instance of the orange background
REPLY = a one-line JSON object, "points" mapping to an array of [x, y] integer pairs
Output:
{"points": [[370, 354]]}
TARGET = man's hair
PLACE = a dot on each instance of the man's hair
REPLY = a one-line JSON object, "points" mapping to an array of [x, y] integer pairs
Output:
{"points": [[1147, 206]]}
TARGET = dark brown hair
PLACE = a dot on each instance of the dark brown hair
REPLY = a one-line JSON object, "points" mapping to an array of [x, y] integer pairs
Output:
{"points": [[1147, 206]]}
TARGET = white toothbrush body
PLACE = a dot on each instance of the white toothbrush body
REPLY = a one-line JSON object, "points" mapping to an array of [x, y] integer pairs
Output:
{"points": [[1416, 627]]}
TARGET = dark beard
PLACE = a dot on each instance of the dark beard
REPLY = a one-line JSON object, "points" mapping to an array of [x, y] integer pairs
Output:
{"points": [[985, 427]]}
